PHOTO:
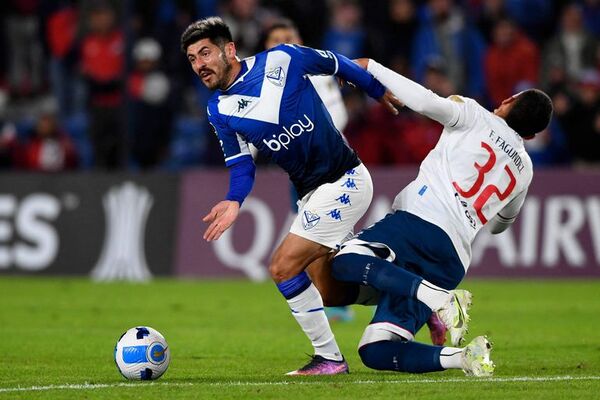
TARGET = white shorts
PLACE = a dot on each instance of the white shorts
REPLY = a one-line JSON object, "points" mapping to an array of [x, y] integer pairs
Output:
{"points": [[327, 215]]}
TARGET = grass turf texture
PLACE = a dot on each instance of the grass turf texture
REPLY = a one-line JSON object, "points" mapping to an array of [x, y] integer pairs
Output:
{"points": [[237, 339]]}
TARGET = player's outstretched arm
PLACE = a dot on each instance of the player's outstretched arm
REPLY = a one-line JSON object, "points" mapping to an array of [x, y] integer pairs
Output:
{"points": [[413, 95], [349, 71], [325, 62], [224, 214], [220, 218]]}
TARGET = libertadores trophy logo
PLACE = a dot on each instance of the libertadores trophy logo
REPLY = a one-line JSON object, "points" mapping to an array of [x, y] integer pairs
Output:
{"points": [[126, 210]]}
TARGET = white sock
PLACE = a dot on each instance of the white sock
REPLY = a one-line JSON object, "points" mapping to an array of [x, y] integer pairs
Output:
{"points": [[307, 308], [433, 296], [451, 357]]}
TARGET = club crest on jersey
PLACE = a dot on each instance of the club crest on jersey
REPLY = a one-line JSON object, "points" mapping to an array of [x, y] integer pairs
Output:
{"points": [[309, 220], [276, 76]]}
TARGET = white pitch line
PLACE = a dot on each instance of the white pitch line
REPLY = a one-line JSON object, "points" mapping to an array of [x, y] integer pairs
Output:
{"points": [[88, 386]]}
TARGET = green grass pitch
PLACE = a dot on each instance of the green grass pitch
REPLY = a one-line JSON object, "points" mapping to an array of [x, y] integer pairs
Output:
{"points": [[237, 339]]}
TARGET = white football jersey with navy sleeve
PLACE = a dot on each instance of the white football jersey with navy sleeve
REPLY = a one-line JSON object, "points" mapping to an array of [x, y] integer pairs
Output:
{"points": [[478, 166]]}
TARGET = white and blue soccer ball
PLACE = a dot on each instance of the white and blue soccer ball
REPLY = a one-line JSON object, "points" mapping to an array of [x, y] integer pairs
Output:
{"points": [[142, 353]]}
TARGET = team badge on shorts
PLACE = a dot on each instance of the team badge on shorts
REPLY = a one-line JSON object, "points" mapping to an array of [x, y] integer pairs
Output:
{"points": [[309, 220]]}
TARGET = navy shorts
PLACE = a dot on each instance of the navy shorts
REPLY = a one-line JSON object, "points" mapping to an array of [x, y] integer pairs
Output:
{"points": [[422, 248]]}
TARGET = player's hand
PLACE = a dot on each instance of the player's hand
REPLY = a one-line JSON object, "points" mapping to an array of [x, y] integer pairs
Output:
{"points": [[388, 100], [362, 62], [220, 218], [391, 102]]}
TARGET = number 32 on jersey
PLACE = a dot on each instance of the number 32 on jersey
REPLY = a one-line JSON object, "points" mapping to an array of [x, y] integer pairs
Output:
{"points": [[484, 194]]}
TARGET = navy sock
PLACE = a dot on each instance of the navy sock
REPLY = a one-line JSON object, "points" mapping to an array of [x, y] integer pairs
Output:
{"points": [[381, 274], [401, 356]]}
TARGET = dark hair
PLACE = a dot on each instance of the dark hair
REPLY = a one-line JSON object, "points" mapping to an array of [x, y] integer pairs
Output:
{"points": [[282, 23], [530, 113], [212, 28]]}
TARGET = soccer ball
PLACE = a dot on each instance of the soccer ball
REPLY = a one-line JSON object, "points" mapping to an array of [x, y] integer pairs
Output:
{"points": [[142, 353]]}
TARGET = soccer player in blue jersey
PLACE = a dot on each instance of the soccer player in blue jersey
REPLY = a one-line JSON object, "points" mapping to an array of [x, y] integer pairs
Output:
{"points": [[284, 31], [268, 100]]}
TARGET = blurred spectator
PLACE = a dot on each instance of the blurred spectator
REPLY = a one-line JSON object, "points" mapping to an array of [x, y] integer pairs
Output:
{"points": [[206, 8], [310, 17], [436, 79], [503, 76], [246, 21], [25, 67], [487, 13], [420, 134], [533, 16], [47, 148], [384, 139], [86, 53], [549, 148], [102, 64], [554, 78], [391, 41], [573, 47], [364, 131], [61, 36], [591, 15], [151, 113], [345, 34], [444, 33], [580, 117], [8, 135], [164, 21]]}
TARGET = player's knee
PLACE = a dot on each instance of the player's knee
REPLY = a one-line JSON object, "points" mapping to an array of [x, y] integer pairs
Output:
{"points": [[279, 270], [377, 355], [338, 266], [343, 265], [370, 355]]}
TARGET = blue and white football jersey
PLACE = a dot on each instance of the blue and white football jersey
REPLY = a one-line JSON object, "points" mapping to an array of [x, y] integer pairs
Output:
{"points": [[273, 105]]}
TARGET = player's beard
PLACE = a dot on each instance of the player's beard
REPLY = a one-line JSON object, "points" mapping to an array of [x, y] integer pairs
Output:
{"points": [[223, 83]]}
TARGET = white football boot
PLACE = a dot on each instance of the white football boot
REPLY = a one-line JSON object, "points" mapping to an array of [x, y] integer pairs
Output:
{"points": [[476, 358], [454, 314]]}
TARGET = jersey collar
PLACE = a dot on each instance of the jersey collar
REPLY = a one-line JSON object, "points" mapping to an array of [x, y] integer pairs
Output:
{"points": [[503, 121], [247, 65]]}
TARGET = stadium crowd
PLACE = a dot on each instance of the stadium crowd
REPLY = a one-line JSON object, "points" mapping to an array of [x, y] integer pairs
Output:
{"points": [[99, 84]]}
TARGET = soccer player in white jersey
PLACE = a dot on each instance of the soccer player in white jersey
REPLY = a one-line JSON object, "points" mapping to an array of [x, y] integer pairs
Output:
{"points": [[478, 174], [267, 100]]}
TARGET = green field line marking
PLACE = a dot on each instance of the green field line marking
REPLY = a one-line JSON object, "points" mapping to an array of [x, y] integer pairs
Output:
{"points": [[91, 386]]}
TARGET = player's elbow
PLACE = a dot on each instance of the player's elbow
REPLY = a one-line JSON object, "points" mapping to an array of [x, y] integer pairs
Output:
{"points": [[422, 105], [499, 224], [497, 228]]}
